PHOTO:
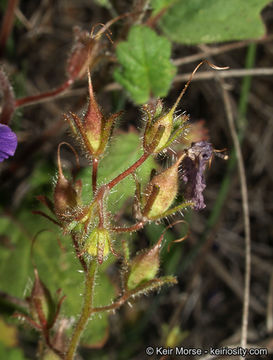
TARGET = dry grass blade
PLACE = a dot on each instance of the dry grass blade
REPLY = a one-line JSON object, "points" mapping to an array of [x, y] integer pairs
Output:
{"points": [[242, 174]]}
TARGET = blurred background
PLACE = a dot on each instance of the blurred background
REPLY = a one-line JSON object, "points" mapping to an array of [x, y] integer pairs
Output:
{"points": [[205, 308]]}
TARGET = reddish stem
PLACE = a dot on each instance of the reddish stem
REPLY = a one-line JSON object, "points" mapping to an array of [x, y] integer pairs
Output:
{"points": [[127, 172], [134, 227], [28, 100], [95, 164], [7, 24]]}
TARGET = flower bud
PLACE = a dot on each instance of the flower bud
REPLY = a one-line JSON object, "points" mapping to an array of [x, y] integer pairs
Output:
{"points": [[65, 195], [144, 267], [93, 120], [94, 130], [42, 306], [165, 121], [98, 244], [167, 185], [83, 54]]}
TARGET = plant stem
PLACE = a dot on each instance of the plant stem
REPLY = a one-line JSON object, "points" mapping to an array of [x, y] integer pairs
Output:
{"points": [[127, 172], [95, 163], [86, 311], [132, 228], [7, 24], [36, 99]]}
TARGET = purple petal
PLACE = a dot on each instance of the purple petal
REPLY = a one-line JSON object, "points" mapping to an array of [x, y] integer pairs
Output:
{"points": [[8, 142], [193, 167]]}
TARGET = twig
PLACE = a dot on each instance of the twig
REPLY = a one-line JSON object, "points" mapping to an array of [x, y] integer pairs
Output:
{"points": [[269, 313], [241, 168], [219, 50], [13, 300], [207, 75], [7, 24]]}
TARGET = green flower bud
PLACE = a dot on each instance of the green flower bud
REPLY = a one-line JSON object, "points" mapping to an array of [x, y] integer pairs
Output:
{"points": [[98, 244], [144, 267]]}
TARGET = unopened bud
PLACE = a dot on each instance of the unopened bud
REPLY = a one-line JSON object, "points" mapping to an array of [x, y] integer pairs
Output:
{"points": [[98, 244], [144, 267]]}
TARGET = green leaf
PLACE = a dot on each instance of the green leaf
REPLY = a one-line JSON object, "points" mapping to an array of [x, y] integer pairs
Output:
{"points": [[123, 152], [146, 69], [11, 353], [57, 265], [105, 3], [159, 5], [199, 21], [14, 258]]}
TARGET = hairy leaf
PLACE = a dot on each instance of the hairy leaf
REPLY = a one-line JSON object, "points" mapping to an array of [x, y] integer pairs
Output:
{"points": [[145, 69]]}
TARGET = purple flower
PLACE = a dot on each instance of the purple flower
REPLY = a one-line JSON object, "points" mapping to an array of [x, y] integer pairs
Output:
{"points": [[193, 167], [8, 142]]}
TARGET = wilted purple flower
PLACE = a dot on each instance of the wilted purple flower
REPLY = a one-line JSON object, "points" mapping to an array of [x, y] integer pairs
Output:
{"points": [[193, 167], [8, 142]]}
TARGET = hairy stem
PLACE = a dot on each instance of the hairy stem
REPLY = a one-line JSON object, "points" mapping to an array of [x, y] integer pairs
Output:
{"points": [[36, 99], [127, 172], [132, 228], [85, 313], [95, 163]]}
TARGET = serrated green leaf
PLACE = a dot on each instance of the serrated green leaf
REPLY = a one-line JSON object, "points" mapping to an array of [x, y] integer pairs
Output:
{"points": [[123, 152], [199, 21], [146, 69]]}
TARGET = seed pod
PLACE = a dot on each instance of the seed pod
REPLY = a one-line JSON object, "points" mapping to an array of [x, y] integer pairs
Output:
{"points": [[93, 120], [167, 183], [166, 122], [94, 130], [65, 195], [144, 267], [42, 307], [84, 54], [98, 244]]}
